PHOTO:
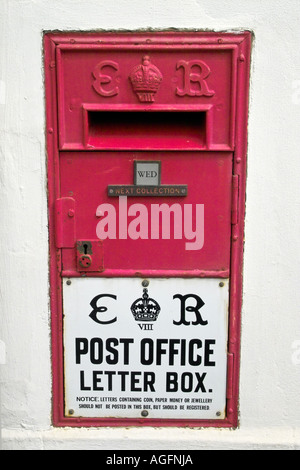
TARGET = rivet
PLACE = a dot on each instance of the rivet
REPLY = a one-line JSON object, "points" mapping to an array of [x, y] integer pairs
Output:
{"points": [[71, 412], [218, 413], [235, 238], [71, 213], [221, 284], [50, 130], [145, 283], [69, 282], [144, 413]]}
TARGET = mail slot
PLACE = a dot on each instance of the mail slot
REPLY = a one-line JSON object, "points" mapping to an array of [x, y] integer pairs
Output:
{"points": [[146, 140]]}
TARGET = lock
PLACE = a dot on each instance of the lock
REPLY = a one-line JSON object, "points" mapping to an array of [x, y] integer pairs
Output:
{"points": [[85, 261], [89, 255]]}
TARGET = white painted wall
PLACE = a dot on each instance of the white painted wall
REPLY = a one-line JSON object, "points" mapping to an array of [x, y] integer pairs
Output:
{"points": [[270, 368]]}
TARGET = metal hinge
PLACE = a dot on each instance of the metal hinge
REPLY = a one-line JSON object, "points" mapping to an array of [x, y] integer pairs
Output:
{"points": [[230, 366], [65, 222], [235, 199]]}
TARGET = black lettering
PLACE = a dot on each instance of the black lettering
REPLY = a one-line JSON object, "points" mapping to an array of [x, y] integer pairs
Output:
{"points": [[146, 356], [183, 353], [97, 380], [115, 356], [149, 379], [126, 342], [145, 326], [194, 361], [160, 350], [123, 382], [134, 381], [96, 351], [183, 309], [208, 352], [200, 384], [109, 373], [187, 382], [172, 382], [173, 351], [101, 309], [82, 386], [81, 348]]}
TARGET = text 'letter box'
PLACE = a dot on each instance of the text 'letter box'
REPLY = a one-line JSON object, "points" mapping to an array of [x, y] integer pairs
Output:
{"points": [[146, 139]]}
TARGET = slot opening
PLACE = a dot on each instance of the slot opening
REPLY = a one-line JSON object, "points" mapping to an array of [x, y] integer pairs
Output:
{"points": [[138, 130]]}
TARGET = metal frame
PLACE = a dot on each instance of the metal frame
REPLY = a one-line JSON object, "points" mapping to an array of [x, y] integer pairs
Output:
{"points": [[240, 43]]}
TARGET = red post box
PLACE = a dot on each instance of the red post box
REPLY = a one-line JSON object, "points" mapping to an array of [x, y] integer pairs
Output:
{"points": [[146, 139]]}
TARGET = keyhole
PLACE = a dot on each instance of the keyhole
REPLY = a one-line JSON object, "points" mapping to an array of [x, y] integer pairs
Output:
{"points": [[85, 247]]}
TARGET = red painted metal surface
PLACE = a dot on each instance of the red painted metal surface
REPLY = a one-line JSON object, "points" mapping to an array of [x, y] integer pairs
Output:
{"points": [[65, 231], [97, 122], [208, 177]]}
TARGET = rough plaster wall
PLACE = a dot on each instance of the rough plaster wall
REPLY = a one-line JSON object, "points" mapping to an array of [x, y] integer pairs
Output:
{"points": [[269, 396]]}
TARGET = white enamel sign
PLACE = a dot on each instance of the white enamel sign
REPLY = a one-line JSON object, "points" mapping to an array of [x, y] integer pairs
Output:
{"points": [[153, 348]]}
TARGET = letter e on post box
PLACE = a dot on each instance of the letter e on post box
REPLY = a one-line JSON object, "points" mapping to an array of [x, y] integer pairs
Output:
{"points": [[146, 141]]}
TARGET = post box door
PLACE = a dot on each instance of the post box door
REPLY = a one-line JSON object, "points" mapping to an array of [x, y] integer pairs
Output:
{"points": [[146, 144], [147, 232]]}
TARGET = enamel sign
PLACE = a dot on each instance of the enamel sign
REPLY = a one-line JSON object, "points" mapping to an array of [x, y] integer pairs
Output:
{"points": [[152, 349]]}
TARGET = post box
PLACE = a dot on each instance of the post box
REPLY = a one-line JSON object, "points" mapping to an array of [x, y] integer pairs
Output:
{"points": [[146, 141]]}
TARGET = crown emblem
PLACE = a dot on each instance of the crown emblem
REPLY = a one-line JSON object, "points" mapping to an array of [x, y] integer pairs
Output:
{"points": [[145, 79], [145, 308]]}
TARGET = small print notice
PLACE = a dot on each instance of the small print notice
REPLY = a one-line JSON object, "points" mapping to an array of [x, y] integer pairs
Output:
{"points": [[152, 348]]}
